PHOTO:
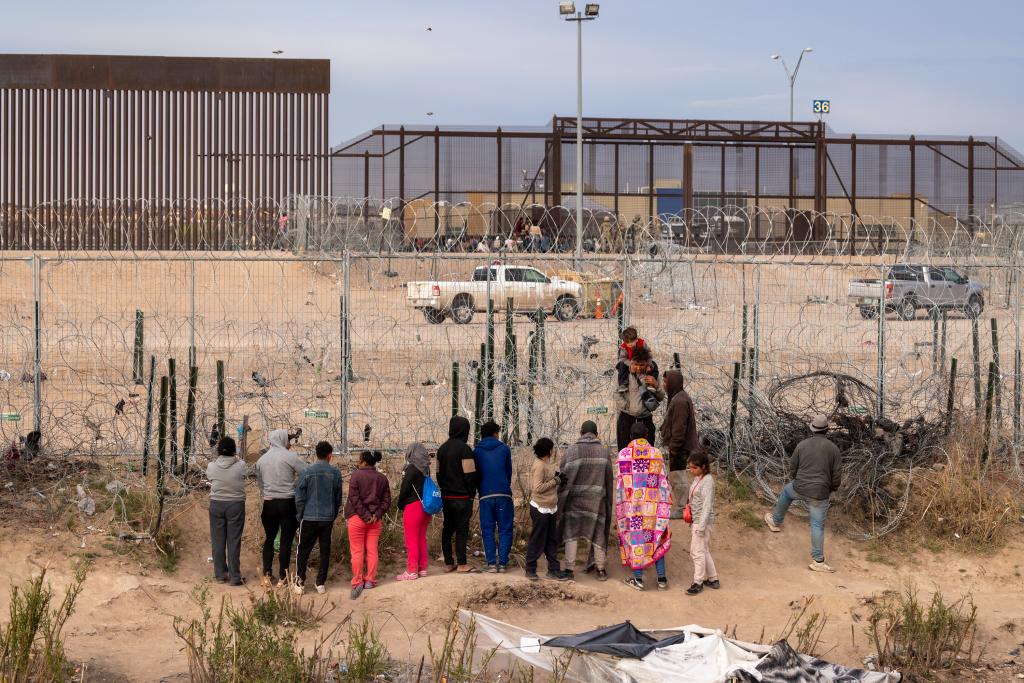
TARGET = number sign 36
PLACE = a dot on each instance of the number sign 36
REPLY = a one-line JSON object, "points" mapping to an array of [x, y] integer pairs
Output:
{"points": [[821, 106]]}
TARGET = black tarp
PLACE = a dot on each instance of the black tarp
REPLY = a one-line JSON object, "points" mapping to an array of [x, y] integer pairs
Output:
{"points": [[620, 640]]}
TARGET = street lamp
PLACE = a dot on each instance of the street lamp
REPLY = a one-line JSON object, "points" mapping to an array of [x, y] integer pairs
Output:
{"points": [[589, 13], [792, 76]]}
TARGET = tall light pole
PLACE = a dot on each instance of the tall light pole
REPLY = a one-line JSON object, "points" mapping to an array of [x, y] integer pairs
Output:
{"points": [[569, 13], [791, 77]]}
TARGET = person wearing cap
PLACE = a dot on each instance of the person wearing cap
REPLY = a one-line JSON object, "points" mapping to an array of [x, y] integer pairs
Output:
{"points": [[815, 472], [585, 499], [497, 512]]}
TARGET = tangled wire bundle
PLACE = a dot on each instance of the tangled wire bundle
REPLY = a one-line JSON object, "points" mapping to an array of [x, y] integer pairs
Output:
{"points": [[879, 454]]}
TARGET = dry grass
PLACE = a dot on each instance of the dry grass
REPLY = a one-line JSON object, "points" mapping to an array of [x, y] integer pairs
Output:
{"points": [[919, 638], [963, 503]]}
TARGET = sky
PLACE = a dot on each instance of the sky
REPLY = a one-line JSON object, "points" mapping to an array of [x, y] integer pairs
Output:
{"points": [[896, 67]]}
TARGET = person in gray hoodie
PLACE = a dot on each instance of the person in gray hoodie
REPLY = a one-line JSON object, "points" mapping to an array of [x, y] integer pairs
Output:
{"points": [[276, 471], [227, 512]]}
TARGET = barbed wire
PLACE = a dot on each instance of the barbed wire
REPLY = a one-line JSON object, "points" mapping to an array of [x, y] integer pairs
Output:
{"points": [[273, 300]]}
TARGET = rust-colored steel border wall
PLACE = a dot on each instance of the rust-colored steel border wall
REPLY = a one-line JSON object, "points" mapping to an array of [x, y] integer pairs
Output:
{"points": [[206, 136]]}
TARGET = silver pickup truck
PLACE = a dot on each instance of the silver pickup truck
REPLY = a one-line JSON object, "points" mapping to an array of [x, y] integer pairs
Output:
{"points": [[907, 288]]}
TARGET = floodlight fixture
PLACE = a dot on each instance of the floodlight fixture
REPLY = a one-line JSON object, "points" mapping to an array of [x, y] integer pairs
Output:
{"points": [[775, 58], [566, 8], [592, 9], [808, 49]]}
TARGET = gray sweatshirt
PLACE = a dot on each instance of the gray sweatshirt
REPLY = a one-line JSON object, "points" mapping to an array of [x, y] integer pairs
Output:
{"points": [[702, 503], [277, 469], [227, 478]]}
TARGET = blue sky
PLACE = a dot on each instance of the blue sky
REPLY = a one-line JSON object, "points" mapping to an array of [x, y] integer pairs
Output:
{"points": [[942, 67]]}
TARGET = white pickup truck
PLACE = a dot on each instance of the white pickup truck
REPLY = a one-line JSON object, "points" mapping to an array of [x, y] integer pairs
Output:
{"points": [[529, 289]]}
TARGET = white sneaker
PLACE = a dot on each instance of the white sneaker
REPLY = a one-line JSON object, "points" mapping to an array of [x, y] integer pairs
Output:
{"points": [[820, 567], [770, 521], [321, 589], [297, 589]]}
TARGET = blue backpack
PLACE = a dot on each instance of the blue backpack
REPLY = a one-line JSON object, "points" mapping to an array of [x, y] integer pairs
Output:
{"points": [[431, 499]]}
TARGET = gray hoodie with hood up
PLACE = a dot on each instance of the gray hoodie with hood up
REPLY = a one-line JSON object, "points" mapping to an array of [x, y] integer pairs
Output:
{"points": [[227, 478], [277, 469]]}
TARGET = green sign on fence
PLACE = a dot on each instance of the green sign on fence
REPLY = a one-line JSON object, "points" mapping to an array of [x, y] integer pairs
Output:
{"points": [[316, 414], [10, 417], [597, 410]]}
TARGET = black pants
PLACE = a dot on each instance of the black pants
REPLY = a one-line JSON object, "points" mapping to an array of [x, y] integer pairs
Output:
{"points": [[227, 521], [278, 514], [311, 532], [457, 512], [625, 423], [543, 539]]}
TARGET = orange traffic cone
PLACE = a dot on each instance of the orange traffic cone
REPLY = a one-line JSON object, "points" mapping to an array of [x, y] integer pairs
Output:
{"points": [[598, 310]]}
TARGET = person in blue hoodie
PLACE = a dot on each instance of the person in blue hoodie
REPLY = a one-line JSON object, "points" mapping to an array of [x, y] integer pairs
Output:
{"points": [[497, 513]]}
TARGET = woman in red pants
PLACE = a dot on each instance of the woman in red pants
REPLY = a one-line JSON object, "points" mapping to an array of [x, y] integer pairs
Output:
{"points": [[414, 520], [369, 497]]}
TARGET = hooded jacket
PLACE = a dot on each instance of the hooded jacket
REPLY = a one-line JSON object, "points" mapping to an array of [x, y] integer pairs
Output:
{"points": [[456, 468], [679, 429], [277, 468], [494, 463], [631, 401], [414, 476], [227, 478]]}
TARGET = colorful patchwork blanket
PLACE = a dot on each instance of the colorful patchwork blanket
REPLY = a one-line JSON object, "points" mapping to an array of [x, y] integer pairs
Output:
{"points": [[643, 499]]}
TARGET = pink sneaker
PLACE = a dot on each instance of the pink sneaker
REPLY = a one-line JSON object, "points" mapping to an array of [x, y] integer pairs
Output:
{"points": [[423, 572], [407, 576]]}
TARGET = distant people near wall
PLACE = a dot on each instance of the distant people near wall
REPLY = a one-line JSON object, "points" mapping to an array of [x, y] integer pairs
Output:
{"points": [[369, 497]]}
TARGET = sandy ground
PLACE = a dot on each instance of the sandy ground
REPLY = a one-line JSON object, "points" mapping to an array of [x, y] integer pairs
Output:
{"points": [[122, 629]]}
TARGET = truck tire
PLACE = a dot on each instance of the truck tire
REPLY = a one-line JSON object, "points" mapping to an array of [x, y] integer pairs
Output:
{"points": [[567, 308], [434, 316], [462, 309], [974, 306], [868, 312], [906, 308]]}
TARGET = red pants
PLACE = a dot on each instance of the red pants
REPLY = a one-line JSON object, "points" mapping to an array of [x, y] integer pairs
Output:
{"points": [[362, 542], [415, 522]]}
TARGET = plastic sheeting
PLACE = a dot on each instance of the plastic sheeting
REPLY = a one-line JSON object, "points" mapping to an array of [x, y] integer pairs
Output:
{"points": [[705, 656], [620, 640]]}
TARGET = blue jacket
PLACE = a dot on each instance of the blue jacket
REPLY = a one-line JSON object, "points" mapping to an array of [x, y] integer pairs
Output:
{"points": [[494, 467], [318, 493]]}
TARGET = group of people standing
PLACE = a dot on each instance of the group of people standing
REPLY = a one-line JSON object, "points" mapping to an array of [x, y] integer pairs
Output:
{"points": [[573, 498]]}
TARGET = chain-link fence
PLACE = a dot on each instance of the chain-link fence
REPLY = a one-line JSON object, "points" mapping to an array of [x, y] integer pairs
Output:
{"points": [[377, 345]]}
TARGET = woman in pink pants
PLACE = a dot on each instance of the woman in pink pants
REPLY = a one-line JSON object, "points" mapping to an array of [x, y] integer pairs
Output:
{"points": [[414, 520], [369, 497]]}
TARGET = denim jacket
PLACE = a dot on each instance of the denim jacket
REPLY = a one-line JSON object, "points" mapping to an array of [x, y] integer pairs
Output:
{"points": [[318, 493]]}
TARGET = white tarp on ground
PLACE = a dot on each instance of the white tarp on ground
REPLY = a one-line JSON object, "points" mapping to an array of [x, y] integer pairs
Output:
{"points": [[705, 657]]}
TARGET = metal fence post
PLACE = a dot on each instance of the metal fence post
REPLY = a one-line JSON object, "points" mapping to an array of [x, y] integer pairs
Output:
{"points": [[346, 351], [881, 342], [192, 316], [37, 372]]}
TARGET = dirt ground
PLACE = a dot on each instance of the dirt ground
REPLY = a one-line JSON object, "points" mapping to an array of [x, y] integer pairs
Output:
{"points": [[122, 628]]}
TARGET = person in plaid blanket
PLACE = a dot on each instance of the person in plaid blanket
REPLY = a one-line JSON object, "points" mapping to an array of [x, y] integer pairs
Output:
{"points": [[643, 500]]}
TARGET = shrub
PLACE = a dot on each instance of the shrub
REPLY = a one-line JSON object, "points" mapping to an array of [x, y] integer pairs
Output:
{"points": [[236, 645], [366, 656], [453, 661], [32, 642], [915, 638]]}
